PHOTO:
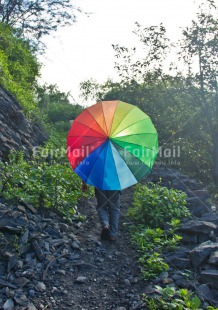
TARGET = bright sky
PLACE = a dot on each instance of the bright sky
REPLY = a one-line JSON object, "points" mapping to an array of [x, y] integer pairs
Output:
{"points": [[84, 50]]}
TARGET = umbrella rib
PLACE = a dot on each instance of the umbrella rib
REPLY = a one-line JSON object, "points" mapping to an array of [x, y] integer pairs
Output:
{"points": [[136, 134], [130, 125], [133, 144]]}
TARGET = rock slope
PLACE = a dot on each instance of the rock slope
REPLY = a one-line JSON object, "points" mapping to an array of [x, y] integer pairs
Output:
{"points": [[16, 133], [49, 263]]}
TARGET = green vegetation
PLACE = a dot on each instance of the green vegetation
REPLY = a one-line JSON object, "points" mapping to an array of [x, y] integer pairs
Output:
{"points": [[39, 183], [148, 239], [170, 298], [186, 94], [154, 205], [35, 19], [45, 180], [19, 68], [55, 106]]}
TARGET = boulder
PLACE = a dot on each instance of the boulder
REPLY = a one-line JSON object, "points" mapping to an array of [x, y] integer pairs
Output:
{"points": [[197, 206], [209, 277], [196, 231], [201, 253]]}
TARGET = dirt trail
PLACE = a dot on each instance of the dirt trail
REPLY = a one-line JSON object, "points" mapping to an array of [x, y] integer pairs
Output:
{"points": [[103, 275]]}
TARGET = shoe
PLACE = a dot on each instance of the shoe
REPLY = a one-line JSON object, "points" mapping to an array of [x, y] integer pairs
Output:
{"points": [[105, 233]]}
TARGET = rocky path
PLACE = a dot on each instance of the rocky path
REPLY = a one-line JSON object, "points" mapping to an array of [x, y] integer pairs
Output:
{"points": [[47, 263], [101, 275], [62, 266]]}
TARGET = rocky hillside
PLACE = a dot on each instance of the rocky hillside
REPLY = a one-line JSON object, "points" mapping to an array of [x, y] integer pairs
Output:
{"points": [[50, 263], [16, 133]]}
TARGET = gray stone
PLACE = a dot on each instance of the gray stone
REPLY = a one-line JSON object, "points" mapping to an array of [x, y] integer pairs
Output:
{"points": [[163, 275], [4, 283], [209, 217], [81, 279], [22, 300], [24, 238], [62, 272], [181, 263], [188, 238], [213, 258], [40, 286], [201, 253], [38, 250], [31, 293], [31, 307], [209, 277], [197, 207], [75, 245], [21, 282], [16, 132], [12, 262], [195, 226], [127, 282], [84, 266], [9, 304], [205, 294]]}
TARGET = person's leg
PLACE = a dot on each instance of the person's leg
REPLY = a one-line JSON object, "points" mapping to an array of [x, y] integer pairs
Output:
{"points": [[114, 211], [102, 206]]}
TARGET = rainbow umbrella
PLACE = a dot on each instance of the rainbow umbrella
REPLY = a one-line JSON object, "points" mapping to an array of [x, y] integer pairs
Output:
{"points": [[112, 145]]}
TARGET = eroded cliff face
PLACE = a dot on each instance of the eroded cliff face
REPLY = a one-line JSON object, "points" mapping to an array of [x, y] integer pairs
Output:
{"points": [[16, 132]]}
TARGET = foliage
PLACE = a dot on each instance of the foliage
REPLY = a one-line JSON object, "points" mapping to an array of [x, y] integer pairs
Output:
{"points": [[148, 239], [55, 105], [170, 298], [40, 183], [153, 265], [37, 17], [184, 91], [200, 46], [19, 67], [154, 205], [151, 243]]}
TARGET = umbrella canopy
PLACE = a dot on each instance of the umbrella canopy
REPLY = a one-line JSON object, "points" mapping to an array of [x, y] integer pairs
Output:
{"points": [[112, 145]]}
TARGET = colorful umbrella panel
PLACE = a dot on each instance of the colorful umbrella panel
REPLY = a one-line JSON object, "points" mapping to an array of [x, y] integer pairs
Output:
{"points": [[112, 145]]}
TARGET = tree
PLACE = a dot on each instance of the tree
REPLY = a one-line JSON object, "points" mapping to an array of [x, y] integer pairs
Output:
{"points": [[55, 105], [200, 47], [19, 67], [182, 103], [37, 17]]}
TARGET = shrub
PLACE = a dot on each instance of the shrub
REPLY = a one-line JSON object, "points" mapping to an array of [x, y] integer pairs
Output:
{"points": [[154, 205], [170, 298], [153, 265], [39, 183], [148, 239]]}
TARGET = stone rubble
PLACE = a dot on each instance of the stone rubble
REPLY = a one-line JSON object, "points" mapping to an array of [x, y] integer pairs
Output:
{"points": [[49, 263]]}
